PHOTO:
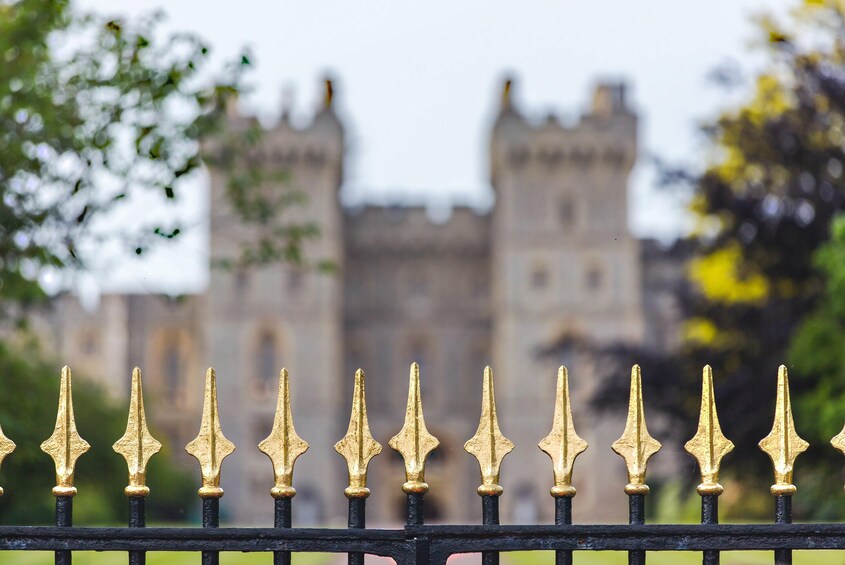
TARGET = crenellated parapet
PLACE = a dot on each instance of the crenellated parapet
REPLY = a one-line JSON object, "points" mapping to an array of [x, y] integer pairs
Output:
{"points": [[603, 138]]}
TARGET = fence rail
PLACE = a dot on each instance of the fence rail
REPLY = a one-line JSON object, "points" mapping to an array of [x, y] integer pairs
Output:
{"points": [[416, 543]]}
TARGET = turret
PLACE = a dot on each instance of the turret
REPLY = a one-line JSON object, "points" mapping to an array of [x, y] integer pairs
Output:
{"points": [[263, 317], [564, 263], [604, 138]]}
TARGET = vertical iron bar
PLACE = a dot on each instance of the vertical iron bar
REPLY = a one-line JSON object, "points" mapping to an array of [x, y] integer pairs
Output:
{"points": [[210, 519], [636, 515], [563, 517], [64, 519], [416, 518], [282, 519], [357, 519], [137, 519], [490, 517], [783, 515], [710, 515], [415, 509]]}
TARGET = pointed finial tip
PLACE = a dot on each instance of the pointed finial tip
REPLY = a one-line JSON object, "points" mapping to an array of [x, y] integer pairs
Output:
{"points": [[358, 445], [489, 445], [414, 442], [783, 444], [562, 444], [137, 444], [283, 446], [636, 446], [65, 445], [210, 446]]}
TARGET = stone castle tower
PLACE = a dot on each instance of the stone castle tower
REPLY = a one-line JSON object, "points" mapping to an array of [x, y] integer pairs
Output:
{"points": [[549, 272], [565, 270], [259, 320]]}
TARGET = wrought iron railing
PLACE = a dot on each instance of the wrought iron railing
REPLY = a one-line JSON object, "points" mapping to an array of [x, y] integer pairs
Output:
{"points": [[416, 543]]}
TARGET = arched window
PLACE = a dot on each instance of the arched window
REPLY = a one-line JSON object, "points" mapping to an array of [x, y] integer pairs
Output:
{"points": [[566, 211], [172, 372], [594, 278], [540, 277], [266, 369]]}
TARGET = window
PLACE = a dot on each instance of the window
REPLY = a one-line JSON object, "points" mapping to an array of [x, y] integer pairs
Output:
{"points": [[261, 428], [477, 359], [539, 277], [294, 280], [89, 344], [519, 156], [566, 211], [172, 372], [381, 374], [417, 285], [594, 278], [419, 355], [266, 370], [241, 281], [480, 285]]}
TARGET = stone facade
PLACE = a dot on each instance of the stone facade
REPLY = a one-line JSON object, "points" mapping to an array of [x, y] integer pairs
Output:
{"points": [[552, 262]]}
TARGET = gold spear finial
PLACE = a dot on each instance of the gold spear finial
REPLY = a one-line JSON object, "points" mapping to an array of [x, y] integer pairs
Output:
{"points": [[783, 444], [838, 441], [358, 445], [488, 445], [65, 446], [709, 444], [210, 447], [283, 446], [413, 441], [137, 445], [562, 444], [636, 446], [6, 447]]}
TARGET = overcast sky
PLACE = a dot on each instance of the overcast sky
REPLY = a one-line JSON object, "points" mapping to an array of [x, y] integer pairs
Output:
{"points": [[416, 86]]}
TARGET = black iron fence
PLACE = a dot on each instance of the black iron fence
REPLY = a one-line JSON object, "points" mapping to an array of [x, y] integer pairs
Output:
{"points": [[416, 543]]}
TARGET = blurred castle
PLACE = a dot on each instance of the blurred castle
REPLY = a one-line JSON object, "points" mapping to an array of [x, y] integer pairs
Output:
{"points": [[534, 283]]}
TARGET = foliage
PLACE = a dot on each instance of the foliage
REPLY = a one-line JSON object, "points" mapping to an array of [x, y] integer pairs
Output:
{"points": [[28, 408], [763, 206], [816, 350], [95, 113]]}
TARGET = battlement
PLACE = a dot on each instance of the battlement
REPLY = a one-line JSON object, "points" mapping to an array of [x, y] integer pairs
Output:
{"points": [[603, 137], [410, 229], [316, 144]]}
